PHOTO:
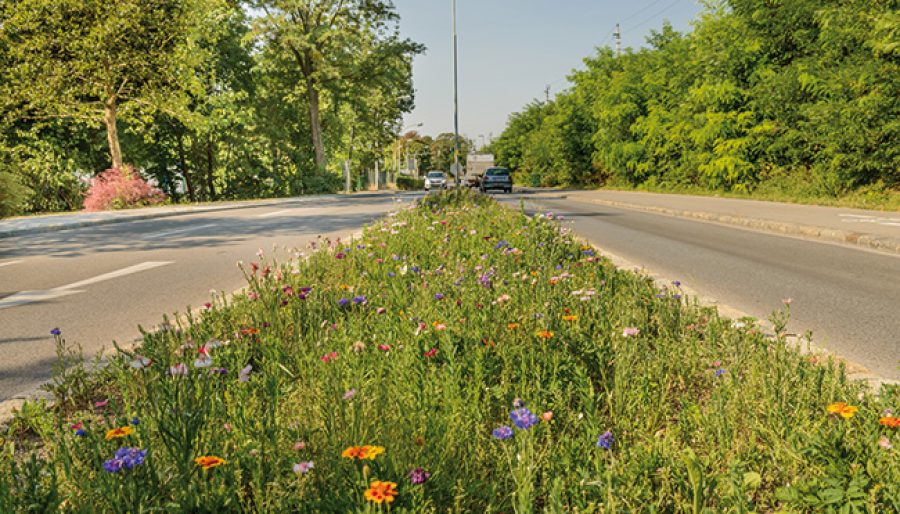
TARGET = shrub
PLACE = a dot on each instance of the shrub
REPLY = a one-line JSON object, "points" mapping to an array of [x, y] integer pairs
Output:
{"points": [[13, 195], [409, 183], [121, 189]]}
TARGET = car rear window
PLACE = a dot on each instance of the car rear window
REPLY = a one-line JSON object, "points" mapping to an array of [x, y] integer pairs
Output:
{"points": [[497, 172]]}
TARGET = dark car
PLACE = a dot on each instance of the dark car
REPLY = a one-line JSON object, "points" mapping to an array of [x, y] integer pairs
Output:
{"points": [[496, 178]]}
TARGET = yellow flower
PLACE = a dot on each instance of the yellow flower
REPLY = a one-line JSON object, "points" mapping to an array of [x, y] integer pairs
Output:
{"points": [[570, 317], [381, 492], [370, 452], [118, 433], [209, 461], [843, 410]]}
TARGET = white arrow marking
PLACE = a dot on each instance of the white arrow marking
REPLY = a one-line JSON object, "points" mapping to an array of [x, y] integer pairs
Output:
{"points": [[25, 297]]}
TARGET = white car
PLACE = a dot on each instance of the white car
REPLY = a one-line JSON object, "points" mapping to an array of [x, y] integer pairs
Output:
{"points": [[435, 180]]}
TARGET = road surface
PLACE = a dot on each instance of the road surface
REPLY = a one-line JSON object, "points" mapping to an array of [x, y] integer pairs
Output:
{"points": [[849, 297], [97, 284]]}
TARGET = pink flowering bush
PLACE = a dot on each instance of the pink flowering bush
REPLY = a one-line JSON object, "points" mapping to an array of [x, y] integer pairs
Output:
{"points": [[120, 189]]}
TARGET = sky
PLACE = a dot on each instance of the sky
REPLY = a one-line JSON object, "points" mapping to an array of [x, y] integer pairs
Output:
{"points": [[510, 50]]}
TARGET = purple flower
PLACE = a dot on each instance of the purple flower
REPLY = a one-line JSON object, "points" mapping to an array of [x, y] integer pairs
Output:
{"points": [[55, 332], [359, 300], [339, 255], [360, 247], [414, 269], [501, 244], [131, 457], [606, 440], [523, 418], [112, 465], [438, 296], [676, 283], [392, 274], [343, 302], [720, 372], [588, 253], [419, 476], [135, 421], [503, 432]]}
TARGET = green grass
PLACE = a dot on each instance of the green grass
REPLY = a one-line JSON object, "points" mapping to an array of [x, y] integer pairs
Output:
{"points": [[429, 379]]}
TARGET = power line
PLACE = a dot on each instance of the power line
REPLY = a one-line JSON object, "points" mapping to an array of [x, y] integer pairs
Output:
{"points": [[654, 16], [641, 10]]}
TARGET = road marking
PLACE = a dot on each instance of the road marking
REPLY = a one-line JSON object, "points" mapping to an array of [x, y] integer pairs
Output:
{"points": [[272, 214], [8, 263], [860, 218], [181, 230], [25, 297]]}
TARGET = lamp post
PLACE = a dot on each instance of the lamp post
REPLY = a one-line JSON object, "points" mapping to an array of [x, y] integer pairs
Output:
{"points": [[456, 169]]}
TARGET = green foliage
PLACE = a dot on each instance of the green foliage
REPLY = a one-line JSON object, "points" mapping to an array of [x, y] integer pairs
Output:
{"points": [[707, 415], [410, 183], [759, 89], [13, 195]]}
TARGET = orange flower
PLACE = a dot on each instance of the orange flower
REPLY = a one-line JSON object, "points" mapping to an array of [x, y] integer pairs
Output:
{"points": [[512, 326], [118, 433], [487, 342], [353, 452], [209, 461], [554, 281], [842, 409], [890, 422], [545, 334], [439, 326], [570, 317], [380, 492]]}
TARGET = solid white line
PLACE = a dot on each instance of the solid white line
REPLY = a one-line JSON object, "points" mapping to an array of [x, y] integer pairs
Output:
{"points": [[181, 230], [272, 214], [854, 216], [24, 297], [8, 263]]}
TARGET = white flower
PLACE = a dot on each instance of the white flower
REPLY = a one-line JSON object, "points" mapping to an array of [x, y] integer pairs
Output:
{"points": [[140, 362], [203, 361]]}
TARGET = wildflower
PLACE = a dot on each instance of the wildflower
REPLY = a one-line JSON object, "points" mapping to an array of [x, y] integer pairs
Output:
{"points": [[209, 461], [358, 346], [439, 326], [343, 302], [228, 427], [630, 332], [204, 361], [544, 334], [299, 446], [55, 332], [842, 409], [890, 422], [885, 443], [358, 300], [606, 440], [244, 375], [523, 418], [419, 476], [502, 299], [518, 403], [112, 465], [430, 353], [384, 347], [438, 296], [512, 326], [140, 362], [787, 301], [328, 357], [370, 452], [135, 421], [303, 468], [118, 433], [720, 372], [570, 317], [380, 310], [503, 432], [129, 458], [352, 452], [547, 416], [179, 369], [349, 394], [101, 403], [381, 492]]}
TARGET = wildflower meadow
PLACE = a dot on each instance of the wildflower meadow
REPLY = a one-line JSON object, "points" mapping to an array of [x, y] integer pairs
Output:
{"points": [[458, 356]]}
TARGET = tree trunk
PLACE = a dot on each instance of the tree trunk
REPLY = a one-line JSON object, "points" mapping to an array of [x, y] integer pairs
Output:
{"points": [[315, 123], [184, 169], [112, 132], [210, 165]]}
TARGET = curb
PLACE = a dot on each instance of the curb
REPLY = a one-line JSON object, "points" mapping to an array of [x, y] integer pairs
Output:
{"points": [[883, 244], [157, 215]]}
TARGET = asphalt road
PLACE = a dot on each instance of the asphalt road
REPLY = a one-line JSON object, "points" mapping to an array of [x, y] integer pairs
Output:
{"points": [[848, 297], [97, 284]]}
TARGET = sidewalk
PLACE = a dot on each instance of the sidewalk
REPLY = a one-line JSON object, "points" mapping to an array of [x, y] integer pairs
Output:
{"points": [[876, 230]]}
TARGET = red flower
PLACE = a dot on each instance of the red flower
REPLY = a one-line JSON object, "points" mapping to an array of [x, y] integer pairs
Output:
{"points": [[431, 353]]}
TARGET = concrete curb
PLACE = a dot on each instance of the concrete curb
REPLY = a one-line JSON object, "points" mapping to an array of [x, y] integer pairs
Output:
{"points": [[884, 244]]}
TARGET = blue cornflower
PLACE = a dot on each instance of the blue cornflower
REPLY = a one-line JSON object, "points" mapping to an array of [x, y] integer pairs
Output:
{"points": [[559, 267], [113, 465], [720, 372], [523, 418], [130, 458], [81, 432], [438, 296], [392, 274], [135, 421], [359, 299], [606, 440], [55, 332], [503, 432], [501, 244], [588, 253], [343, 302], [414, 269]]}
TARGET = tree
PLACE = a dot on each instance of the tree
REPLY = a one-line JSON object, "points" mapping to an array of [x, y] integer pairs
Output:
{"points": [[335, 44], [88, 60]]}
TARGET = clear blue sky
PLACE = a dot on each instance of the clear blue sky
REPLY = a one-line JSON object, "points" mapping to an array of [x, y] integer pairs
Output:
{"points": [[510, 50]]}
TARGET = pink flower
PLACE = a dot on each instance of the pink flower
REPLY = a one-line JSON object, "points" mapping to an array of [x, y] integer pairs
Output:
{"points": [[299, 446], [380, 310], [630, 332], [228, 427], [885, 443], [431, 353], [179, 369], [252, 296], [102, 403], [303, 467], [547, 416], [328, 357], [420, 328], [384, 347]]}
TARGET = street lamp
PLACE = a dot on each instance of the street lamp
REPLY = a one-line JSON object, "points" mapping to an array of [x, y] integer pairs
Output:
{"points": [[456, 169]]}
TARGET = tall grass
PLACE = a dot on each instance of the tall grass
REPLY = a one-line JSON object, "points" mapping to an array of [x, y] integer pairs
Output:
{"points": [[422, 337]]}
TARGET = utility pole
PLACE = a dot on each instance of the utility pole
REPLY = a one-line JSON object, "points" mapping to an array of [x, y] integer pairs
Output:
{"points": [[547, 93], [455, 101], [618, 34]]}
